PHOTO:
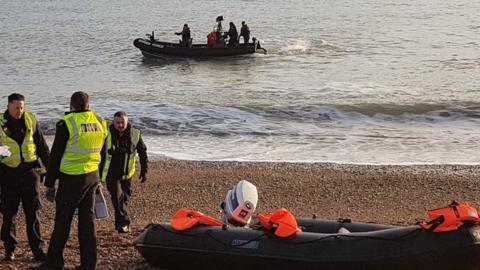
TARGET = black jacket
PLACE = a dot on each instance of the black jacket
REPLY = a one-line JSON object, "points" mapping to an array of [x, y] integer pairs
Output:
{"points": [[232, 33], [185, 33], [122, 144], [58, 148], [17, 130], [244, 31]]}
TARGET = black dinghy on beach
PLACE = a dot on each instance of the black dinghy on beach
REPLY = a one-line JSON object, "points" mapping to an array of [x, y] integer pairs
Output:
{"points": [[326, 245]]}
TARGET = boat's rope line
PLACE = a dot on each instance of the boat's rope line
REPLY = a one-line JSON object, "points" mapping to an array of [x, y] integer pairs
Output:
{"points": [[208, 233], [356, 237], [155, 226], [320, 239]]}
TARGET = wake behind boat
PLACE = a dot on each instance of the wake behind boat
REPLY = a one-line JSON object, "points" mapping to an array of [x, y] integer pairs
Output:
{"points": [[152, 47]]}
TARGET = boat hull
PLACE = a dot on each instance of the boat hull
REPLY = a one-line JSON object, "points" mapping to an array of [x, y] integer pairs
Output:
{"points": [[161, 49], [381, 247]]}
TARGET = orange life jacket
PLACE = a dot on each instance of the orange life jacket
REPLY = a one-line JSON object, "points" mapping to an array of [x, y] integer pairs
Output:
{"points": [[212, 39], [185, 219], [451, 217], [281, 219]]}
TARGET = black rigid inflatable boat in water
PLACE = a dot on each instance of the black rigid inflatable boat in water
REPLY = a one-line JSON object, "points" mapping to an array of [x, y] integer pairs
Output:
{"points": [[323, 244], [153, 48]]}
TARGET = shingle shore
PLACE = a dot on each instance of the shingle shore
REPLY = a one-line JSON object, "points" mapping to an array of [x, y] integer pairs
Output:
{"points": [[387, 194]]}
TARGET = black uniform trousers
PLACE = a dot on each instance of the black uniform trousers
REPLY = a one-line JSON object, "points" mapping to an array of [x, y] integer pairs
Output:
{"points": [[20, 186], [120, 192], [75, 192]]}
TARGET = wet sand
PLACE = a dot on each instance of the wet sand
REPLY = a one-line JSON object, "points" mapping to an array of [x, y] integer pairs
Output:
{"points": [[363, 193]]}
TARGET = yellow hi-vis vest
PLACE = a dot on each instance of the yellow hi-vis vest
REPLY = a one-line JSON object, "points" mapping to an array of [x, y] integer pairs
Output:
{"points": [[87, 135], [130, 159], [27, 151]]}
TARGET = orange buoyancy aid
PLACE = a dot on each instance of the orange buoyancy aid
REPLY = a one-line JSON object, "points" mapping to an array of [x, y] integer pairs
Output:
{"points": [[212, 39], [281, 219], [185, 219], [451, 217]]}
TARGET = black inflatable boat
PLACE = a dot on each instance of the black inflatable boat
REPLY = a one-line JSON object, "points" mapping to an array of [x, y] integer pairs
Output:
{"points": [[323, 244], [153, 48]]}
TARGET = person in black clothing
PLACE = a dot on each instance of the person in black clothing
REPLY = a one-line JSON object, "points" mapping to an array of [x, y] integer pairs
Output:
{"points": [[245, 33], [185, 35], [232, 35], [74, 161], [118, 167], [19, 177]]}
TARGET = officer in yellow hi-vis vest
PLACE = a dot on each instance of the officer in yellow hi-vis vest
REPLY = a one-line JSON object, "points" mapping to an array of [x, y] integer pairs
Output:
{"points": [[74, 160], [123, 142], [19, 177]]}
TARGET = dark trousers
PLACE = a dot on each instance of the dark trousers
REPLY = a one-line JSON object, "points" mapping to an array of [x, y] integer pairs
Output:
{"points": [[120, 192], [232, 42], [75, 192], [20, 186]]}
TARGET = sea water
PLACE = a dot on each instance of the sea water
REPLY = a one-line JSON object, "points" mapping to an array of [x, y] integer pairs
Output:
{"points": [[377, 82]]}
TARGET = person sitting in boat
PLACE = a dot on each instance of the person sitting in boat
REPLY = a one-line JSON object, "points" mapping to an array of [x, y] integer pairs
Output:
{"points": [[232, 35], [186, 40], [245, 33]]}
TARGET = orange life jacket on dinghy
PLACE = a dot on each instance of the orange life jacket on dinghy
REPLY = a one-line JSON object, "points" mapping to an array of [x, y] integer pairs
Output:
{"points": [[451, 217], [185, 219], [282, 219]]}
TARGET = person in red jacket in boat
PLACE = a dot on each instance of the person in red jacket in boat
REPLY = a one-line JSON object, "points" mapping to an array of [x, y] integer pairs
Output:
{"points": [[215, 38], [211, 39]]}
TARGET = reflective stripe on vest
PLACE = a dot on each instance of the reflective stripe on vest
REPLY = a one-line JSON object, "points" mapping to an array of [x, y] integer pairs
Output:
{"points": [[128, 166], [87, 133], [28, 151]]}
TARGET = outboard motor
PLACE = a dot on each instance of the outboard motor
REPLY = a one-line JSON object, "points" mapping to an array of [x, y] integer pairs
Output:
{"points": [[151, 37], [240, 203]]}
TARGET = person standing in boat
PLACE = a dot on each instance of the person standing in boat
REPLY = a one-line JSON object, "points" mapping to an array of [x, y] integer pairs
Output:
{"points": [[232, 35], [218, 29], [245, 33], [185, 35], [118, 167]]}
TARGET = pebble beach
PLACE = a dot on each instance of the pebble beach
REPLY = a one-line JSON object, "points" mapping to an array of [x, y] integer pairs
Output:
{"points": [[361, 110], [388, 194]]}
